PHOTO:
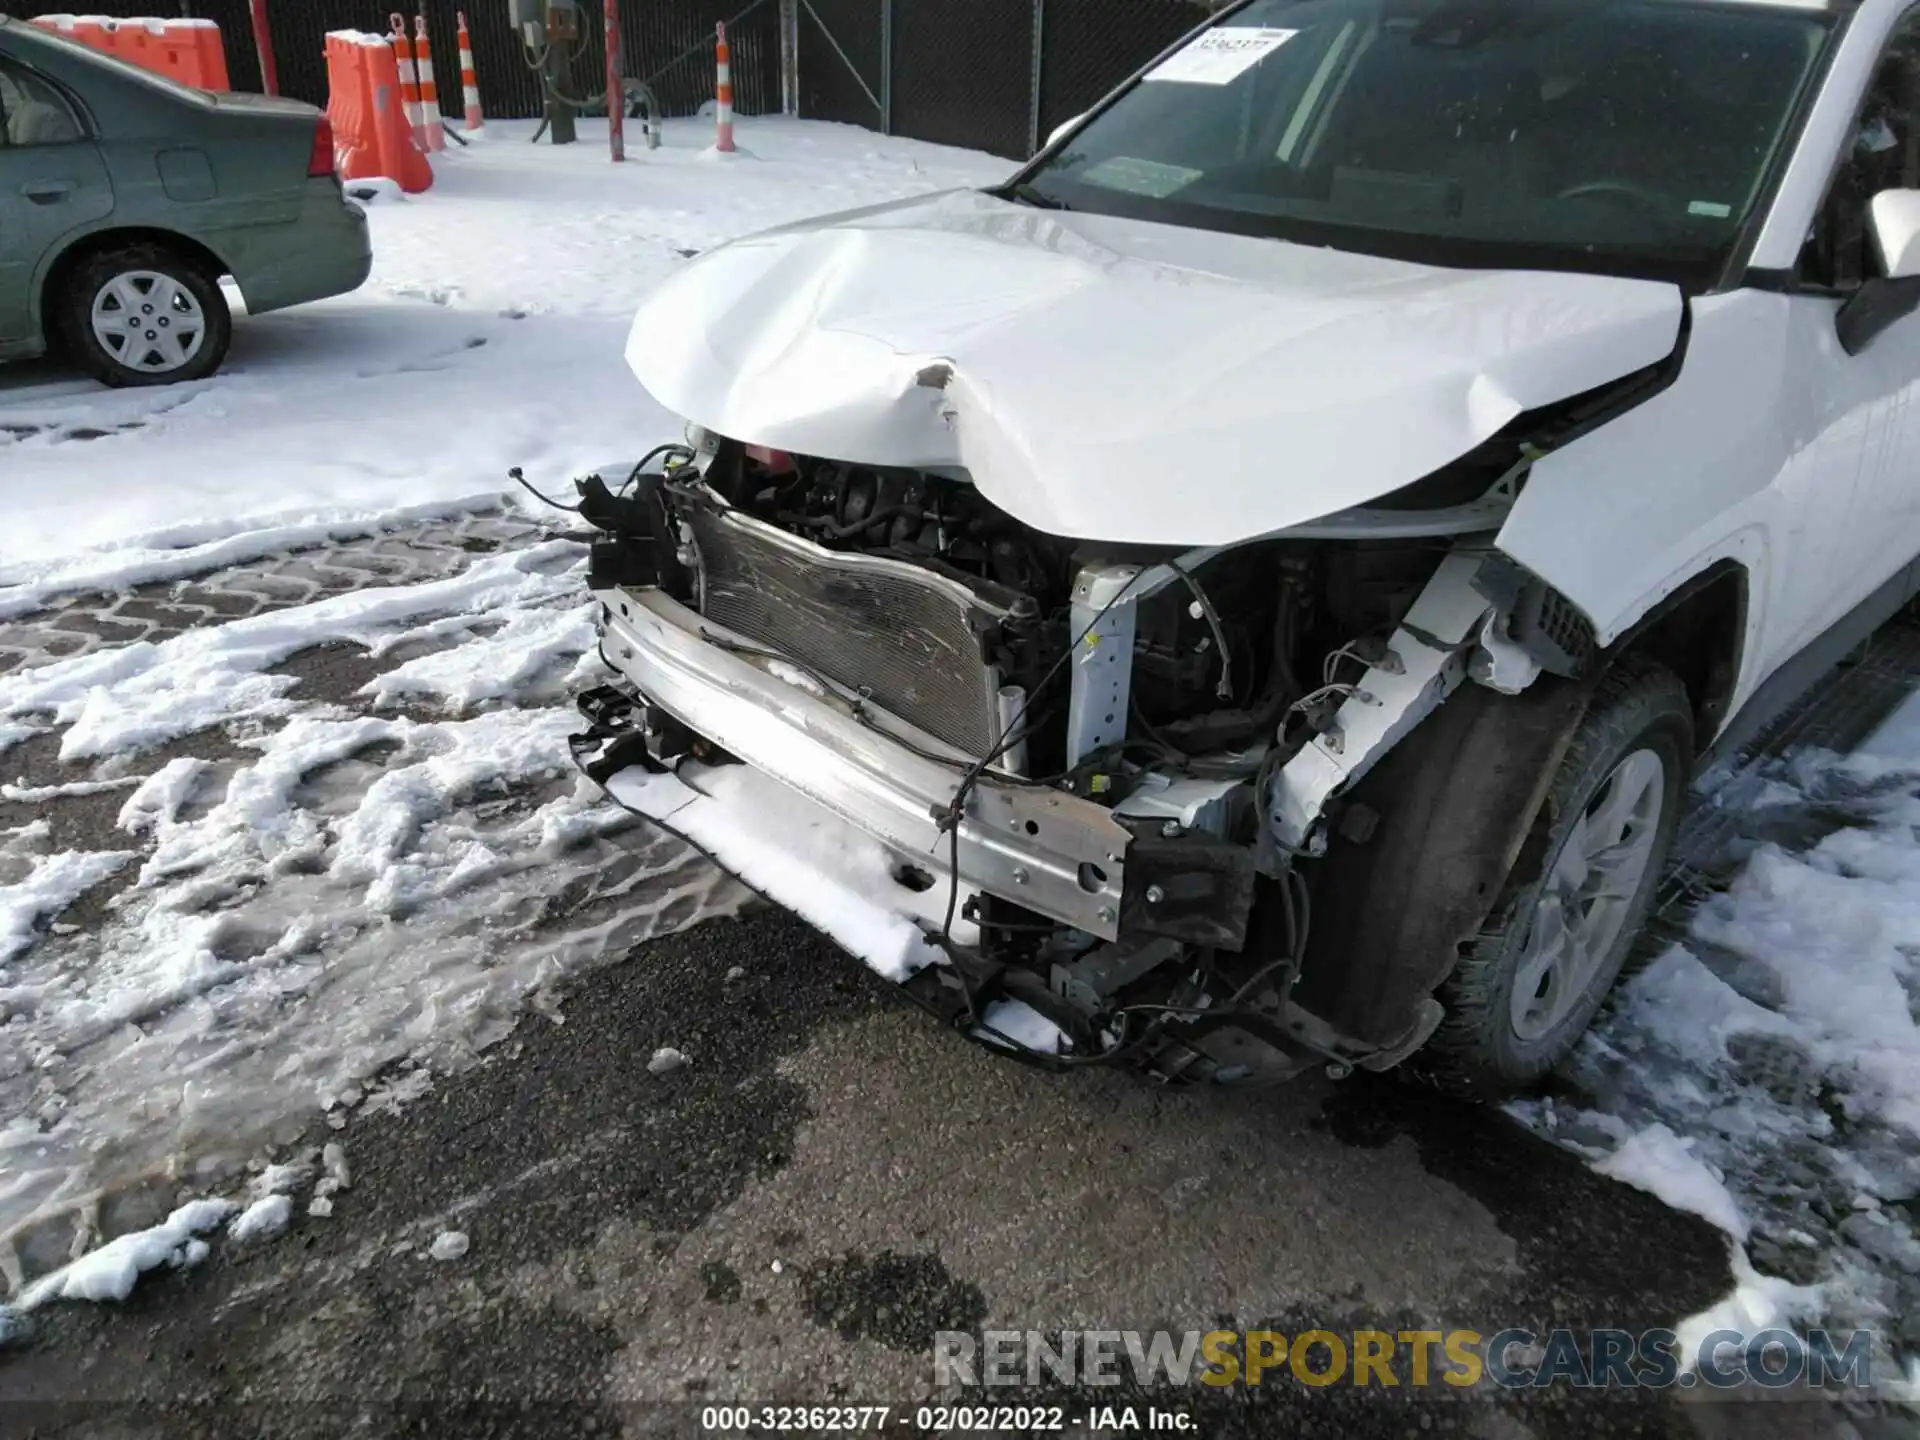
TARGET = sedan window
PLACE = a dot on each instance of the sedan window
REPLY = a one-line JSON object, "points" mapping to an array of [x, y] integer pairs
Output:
{"points": [[32, 112]]}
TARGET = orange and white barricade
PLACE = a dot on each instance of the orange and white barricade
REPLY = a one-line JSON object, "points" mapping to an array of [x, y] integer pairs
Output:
{"points": [[372, 134], [189, 51]]}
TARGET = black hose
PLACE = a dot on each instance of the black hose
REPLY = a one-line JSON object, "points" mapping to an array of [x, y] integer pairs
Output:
{"points": [[835, 531]]}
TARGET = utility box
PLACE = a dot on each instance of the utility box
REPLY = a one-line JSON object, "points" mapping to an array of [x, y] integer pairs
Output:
{"points": [[539, 21]]}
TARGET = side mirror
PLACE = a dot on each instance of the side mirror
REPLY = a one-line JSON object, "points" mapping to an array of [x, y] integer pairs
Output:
{"points": [[1068, 126], [1893, 227], [1893, 220]]}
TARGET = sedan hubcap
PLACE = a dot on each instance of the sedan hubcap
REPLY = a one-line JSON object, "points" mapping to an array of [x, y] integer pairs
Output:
{"points": [[1588, 891], [148, 321]]}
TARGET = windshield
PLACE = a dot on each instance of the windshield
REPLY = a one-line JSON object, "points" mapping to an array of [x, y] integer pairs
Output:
{"points": [[1626, 135]]}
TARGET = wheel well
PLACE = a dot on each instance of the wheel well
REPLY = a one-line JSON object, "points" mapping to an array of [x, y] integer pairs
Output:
{"points": [[104, 240], [1697, 632]]}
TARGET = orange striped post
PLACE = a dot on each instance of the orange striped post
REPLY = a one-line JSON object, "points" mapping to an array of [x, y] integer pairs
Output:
{"points": [[469, 84], [436, 134], [723, 98], [409, 80]]}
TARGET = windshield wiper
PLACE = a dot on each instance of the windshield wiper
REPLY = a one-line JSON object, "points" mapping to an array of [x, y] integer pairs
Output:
{"points": [[1029, 194]]}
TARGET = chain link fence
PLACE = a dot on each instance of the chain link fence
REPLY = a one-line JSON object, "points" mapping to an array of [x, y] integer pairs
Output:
{"points": [[843, 69], [963, 73], [995, 75]]}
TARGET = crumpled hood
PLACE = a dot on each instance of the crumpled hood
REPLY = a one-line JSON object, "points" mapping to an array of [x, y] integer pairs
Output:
{"points": [[1116, 380]]}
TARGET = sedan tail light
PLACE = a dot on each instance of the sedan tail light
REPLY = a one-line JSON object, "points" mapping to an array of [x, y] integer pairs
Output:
{"points": [[320, 160]]}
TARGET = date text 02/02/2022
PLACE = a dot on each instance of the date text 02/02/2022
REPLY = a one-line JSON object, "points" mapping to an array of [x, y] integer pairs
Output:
{"points": [[938, 1419]]}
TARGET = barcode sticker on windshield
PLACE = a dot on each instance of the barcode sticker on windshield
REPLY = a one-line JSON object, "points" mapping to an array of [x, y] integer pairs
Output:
{"points": [[1220, 56]]}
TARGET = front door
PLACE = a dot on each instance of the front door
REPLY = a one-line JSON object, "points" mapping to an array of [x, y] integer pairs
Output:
{"points": [[1856, 483], [52, 183]]}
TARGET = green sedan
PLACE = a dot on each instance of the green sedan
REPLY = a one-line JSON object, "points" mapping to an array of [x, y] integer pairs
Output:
{"points": [[124, 198]]}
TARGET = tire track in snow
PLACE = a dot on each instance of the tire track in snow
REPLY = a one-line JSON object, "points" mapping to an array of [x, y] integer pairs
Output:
{"points": [[349, 850], [285, 579]]}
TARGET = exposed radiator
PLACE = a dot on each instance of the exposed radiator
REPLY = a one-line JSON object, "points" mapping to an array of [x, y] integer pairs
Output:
{"points": [[900, 635]]}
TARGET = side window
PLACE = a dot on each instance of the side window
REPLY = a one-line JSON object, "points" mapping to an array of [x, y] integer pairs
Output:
{"points": [[1884, 154], [32, 112]]}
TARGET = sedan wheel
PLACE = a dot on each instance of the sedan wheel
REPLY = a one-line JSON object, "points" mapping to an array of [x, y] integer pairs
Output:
{"points": [[149, 322], [143, 315]]}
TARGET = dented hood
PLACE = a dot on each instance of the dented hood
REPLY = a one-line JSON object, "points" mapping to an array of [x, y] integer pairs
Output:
{"points": [[1116, 380]]}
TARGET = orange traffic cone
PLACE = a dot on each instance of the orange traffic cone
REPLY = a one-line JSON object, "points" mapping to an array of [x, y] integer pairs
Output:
{"points": [[723, 96], [469, 84], [409, 80], [434, 130]]}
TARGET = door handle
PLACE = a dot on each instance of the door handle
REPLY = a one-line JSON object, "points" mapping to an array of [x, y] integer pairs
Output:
{"points": [[47, 192]]}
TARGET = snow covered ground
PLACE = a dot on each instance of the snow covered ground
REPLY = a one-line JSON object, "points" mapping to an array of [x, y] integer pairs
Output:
{"points": [[319, 892], [1763, 1071], [306, 892]]}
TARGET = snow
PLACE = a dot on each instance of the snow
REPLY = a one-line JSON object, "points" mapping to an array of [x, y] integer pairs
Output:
{"points": [[802, 856], [282, 1179], [109, 1272], [262, 1220], [1757, 1302], [352, 899], [51, 884], [333, 1159], [448, 1245], [795, 676], [1764, 1070], [156, 799], [1026, 1027], [144, 694], [1661, 1163], [40, 794]]}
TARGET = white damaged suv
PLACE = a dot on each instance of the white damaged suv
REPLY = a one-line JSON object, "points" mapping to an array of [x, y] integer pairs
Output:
{"points": [[1252, 591]]}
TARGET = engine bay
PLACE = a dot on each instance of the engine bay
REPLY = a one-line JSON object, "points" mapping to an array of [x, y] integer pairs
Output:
{"points": [[1250, 640]]}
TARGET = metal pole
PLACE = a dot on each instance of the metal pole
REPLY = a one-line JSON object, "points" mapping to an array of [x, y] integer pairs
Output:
{"points": [[616, 96], [886, 67], [560, 114], [1039, 57], [789, 57], [263, 42]]}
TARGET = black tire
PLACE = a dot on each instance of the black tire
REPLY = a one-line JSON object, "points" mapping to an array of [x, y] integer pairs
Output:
{"points": [[1479, 1050], [88, 280]]}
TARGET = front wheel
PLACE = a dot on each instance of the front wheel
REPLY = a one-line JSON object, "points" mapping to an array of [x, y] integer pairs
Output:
{"points": [[1555, 941], [144, 315]]}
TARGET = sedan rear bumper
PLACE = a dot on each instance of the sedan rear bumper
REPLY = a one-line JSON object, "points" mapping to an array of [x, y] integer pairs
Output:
{"points": [[326, 252]]}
